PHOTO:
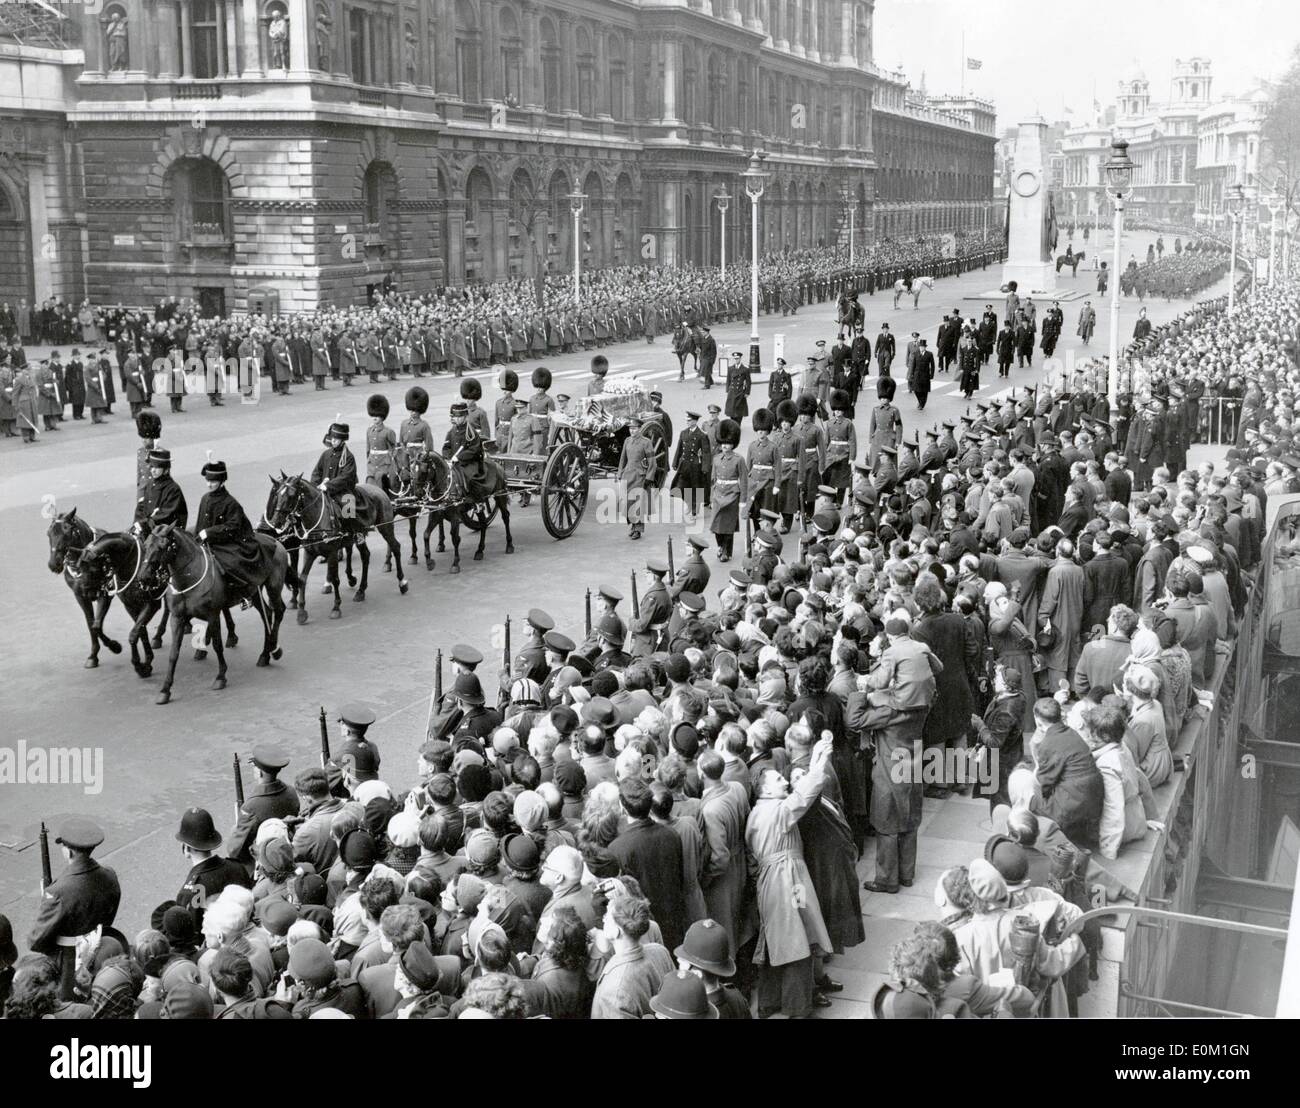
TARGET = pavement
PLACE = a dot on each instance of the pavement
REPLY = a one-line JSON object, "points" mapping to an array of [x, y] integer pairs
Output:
{"points": [[159, 760]]}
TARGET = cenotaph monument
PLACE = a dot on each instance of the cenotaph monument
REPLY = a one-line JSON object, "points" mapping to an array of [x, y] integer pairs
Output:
{"points": [[1032, 217]]}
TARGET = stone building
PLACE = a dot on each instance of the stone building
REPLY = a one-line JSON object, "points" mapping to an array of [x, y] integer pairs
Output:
{"points": [[246, 152]]}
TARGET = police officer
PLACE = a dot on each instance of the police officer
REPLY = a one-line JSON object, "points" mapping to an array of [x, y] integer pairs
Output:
{"points": [[269, 798], [209, 871], [83, 897]]}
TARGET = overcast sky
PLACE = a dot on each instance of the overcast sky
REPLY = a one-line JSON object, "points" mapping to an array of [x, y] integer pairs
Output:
{"points": [[1048, 56]]}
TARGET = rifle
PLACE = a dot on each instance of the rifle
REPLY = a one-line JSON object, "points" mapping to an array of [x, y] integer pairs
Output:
{"points": [[239, 788], [324, 740], [672, 572], [588, 611], [47, 874], [435, 695], [505, 659], [636, 600], [749, 537]]}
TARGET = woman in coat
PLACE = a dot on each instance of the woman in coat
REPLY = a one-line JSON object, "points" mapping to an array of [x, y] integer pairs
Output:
{"points": [[1146, 736], [1011, 643], [952, 642], [1128, 804], [791, 929]]}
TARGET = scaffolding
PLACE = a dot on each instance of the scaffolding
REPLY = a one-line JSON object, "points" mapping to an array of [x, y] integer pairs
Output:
{"points": [[36, 23]]}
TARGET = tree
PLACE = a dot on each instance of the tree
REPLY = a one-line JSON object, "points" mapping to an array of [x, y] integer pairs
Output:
{"points": [[1280, 161]]}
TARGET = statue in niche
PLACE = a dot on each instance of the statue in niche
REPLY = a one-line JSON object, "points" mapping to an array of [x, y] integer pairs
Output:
{"points": [[324, 38], [409, 54], [115, 34], [278, 34]]}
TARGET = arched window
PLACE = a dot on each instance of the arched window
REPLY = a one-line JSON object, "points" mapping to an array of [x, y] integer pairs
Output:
{"points": [[512, 57], [202, 196], [525, 257], [593, 221], [478, 226], [550, 66], [560, 218], [617, 76], [625, 212], [468, 52], [586, 62], [379, 197]]}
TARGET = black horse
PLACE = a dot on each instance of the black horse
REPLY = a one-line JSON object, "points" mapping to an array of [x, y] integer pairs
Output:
{"points": [[299, 507], [1072, 260], [68, 537], [424, 492], [292, 544], [111, 566]]}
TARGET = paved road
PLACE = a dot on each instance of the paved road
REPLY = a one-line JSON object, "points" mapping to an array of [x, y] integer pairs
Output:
{"points": [[159, 760]]}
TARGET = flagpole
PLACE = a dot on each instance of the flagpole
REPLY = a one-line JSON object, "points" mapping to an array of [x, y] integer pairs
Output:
{"points": [[963, 62]]}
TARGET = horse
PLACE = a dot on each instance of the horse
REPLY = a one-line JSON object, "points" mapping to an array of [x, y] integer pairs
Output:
{"points": [[196, 589], [1072, 260], [918, 283], [111, 567], [850, 316], [292, 545], [322, 531], [425, 490], [68, 537], [446, 501]]}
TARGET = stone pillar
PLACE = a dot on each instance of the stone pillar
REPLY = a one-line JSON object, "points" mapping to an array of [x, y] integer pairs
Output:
{"points": [[301, 29], [531, 93], [1025, 262], [187, 59], [455, 247], [253, 42], [777, 33], [602, 75], [162, 28], [445, 72], [230, 17], [848, 55], [339, 41], [568, 66], [489, 76], [42, 271], [672, 62], [500, 240], [670, 230]]}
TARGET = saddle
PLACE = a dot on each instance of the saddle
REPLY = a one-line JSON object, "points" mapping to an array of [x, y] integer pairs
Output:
{"points": [[367, 508]]}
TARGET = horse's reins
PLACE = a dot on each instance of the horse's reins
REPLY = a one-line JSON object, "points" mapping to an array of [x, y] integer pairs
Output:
{"points": [[207, 563], [139, 561]]}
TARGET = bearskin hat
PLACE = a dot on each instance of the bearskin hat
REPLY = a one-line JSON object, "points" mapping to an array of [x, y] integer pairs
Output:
{"points": [[377, 405], [729, 433], [763, 420], [470, 389], [839, 400], [417, 400], [148, 425], [786, 411], [541, 378], [507, 380], [600, 365], [806, 404], [885, 388]]}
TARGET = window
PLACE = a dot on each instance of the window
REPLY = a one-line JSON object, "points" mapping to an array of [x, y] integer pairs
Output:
{"points": [[358, 45], [512, 58], [586, 74], [202, 197], [204, 49], [467, 53], [550, 67], [617, 77]]}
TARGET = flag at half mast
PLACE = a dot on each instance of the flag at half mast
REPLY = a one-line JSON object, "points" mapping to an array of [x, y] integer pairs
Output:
{"points": [[974, 63]]}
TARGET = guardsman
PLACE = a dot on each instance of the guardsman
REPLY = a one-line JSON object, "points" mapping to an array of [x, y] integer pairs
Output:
{"points": [[388, 346], [540, 406], [381, 446], [607, 601], [415, 435], [82, 898], [161, 500], [599, 371], [841, 445], [691, 464], [762, 459], [656, 609], [97, 377], [693, 576], [269, 798], [730, 488], [472, 392], [558, 647], [417, 350], [932, 458], [530, 662], [335, 472], [503, 413], [789, 449], [137, 385], [812, 452], [636, 466]]}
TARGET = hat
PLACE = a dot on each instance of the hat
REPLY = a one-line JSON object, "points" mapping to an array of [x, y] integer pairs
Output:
{"points": [[356, 716], [197, 830], [685, 739], [466, 656], [609, 593], [214, 471], [600, 365], [656, 395], [178, 926], [520, 851], [714, 407], [692, 415], [565, 860], [786, 412], [657, 566], [806, 404], [270, 758], [468, 688], [277, 915], [357, 849], [541, 378], [691, 601], [377, 405], [611, 628], [729, 433], [1008, 858], [420, 967], [986, 882], [508, 380], [417, 400], [482, 848], [839, 400], [600, 712], [570, 778], [148, 425], [524, 690], [187, 1001], [162, 458], [762, 420], [707, 946], [338, 431], [311, 963], [470, 389], [530, 811], [80, 834], [539, 620], [698, 542], [682, 996]]}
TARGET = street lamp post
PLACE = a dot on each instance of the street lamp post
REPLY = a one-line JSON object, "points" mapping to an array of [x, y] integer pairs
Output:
{"points": [[1119, 176], [1274, 209], [576, 199], [724, 202], [755, 181], [846, 198], [1233, 202]]}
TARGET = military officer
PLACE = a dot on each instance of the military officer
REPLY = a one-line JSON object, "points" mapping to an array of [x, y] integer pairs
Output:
{"points": [[779, 386], [607, 600], [691, 462], [161, 500], [530, 662], [811, 443], [83, 897], [636, 465]]}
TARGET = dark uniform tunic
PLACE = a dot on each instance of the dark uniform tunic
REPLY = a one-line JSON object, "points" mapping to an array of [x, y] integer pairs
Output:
{"points": [[231, 538], [337, 470], [266, 800], [81, 898], [161, 501]]}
